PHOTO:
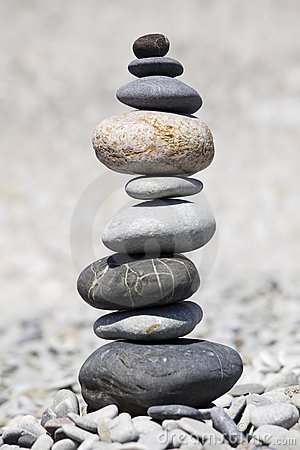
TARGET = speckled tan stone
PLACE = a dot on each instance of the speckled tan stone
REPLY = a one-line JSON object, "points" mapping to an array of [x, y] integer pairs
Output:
{"points": [[154, 143]]}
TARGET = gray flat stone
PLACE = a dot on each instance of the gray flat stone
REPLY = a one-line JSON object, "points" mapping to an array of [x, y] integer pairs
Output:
{"points": [[149, 324], [154, 143], [30, 423], [281, 414], [109, 411], [136, 376], [224, 401], [153, 44], [160, 93], [54, 424], [276, 396], [257, 400], [246, 388], [75, 433], [159, 226], [43, 442], [122, 429], [127, 282], [237, 407], [64, 402], [88, 443], [284, 378], [174, 412], [202, 431], [144, 425], [225, 425], [83, 422], [181, 439], [158, 65], [147, 188], [277, 437], [47, 415], [27, 440], [103, 428], [170, 424], [156, 440]]}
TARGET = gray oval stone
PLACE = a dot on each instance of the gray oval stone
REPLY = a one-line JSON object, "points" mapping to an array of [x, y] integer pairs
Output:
{"points": [[136, 376], [281, 414], [159, 323], [123, 282], [158, 65], [160, 93], [154, 143], [146, 188], [159, 226]]}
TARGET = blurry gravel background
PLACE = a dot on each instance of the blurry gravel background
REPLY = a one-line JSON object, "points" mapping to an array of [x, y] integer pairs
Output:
{"points": [[61, 63]]}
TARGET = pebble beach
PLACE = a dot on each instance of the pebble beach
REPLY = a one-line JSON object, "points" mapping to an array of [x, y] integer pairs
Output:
{"points": [[54, 90]]}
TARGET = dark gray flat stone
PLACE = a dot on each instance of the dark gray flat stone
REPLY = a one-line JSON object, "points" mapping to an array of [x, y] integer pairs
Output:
{"points": [[154, 44], [124, 282], [158, 65], [160, 93], [175, 412], [136, 376], [223, 423]]}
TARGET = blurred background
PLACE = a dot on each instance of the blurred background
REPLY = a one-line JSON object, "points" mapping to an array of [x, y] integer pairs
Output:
{"points": [[60, 66]]}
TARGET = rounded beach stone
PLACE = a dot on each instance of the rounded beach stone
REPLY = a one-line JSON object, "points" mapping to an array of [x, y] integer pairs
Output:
{"points": [[281, 414], [146, 188], [160, 93], [154, 44], [136, 376], [159, 226], [155, 66], [159, 323], [122, 282], [154, 143]]}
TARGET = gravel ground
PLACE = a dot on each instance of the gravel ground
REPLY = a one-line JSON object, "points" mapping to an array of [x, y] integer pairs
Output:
{"points": [[61, 64]]}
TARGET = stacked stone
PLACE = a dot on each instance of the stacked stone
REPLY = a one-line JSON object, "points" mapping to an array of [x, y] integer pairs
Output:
{"points": [[147, 279]]}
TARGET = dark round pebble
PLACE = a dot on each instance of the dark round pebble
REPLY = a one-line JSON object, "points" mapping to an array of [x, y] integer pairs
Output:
{"points": [[135, 376], [148, 45], [155, 66]]}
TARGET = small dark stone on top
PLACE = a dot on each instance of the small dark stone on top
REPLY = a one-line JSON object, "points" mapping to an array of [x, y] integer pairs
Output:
{"points": [[151, 45]]}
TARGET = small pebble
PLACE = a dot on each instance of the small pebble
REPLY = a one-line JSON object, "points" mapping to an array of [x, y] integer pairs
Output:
{"points": [[83, 422], [47, 415], [69, 400], [148, 45], [282, 379], [179, 437], [103, 428], [158, 440], [65, 444], [59, 435], [88, 443], [144, 425], [109, 411], [43, 442], [246, 388], [280, 414], [277, 437], [222, 422], [27, 440], [200, 430], [237, 407], [11, 435], [256, 400], [170, 424], [122, 429], [295, 400], [54, 424], [31, 424], [75, 433], [276, 396], [224, 401]]}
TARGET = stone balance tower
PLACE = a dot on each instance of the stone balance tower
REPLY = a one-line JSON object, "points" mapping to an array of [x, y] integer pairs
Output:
{"points": [[147, 278]]}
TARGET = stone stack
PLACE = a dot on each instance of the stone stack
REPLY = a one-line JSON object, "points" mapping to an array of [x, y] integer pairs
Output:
{"points": [[147, 279]]}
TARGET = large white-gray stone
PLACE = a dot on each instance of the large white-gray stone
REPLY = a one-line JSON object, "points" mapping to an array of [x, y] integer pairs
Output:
{"points": [[147, 188], [159, 323], [159, 226]]}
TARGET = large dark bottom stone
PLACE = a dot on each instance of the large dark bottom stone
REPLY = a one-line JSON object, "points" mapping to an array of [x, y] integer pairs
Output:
{"points": [[136, 376]]}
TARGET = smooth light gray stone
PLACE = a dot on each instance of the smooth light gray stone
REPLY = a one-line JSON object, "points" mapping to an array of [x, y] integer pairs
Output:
{"points": [[244, 421], [103, 428], [83, 422], [246, 388], [276, 396], [174, 412], [225, 425], [200, 430], [170, 424], [160, 93], [156, 65], [75, 433], [284, 378], [122, 429], [71, 403], [280, 414], [256, 400], [109, 411], [43, 442], [277, 437], [179, 437], [136, 376], [144, 425], [88, 443], [30, 423], [159, 226], [237, 407], [156, 440], [147, 188], [158, 323], [126, 282], [224, 401], [65, 444], [47, 415]]}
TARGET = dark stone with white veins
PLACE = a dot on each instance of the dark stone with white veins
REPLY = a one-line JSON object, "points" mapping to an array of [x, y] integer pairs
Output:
{"points": [[154, 44], [135, 376], [123, 282], [146, 67]]}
